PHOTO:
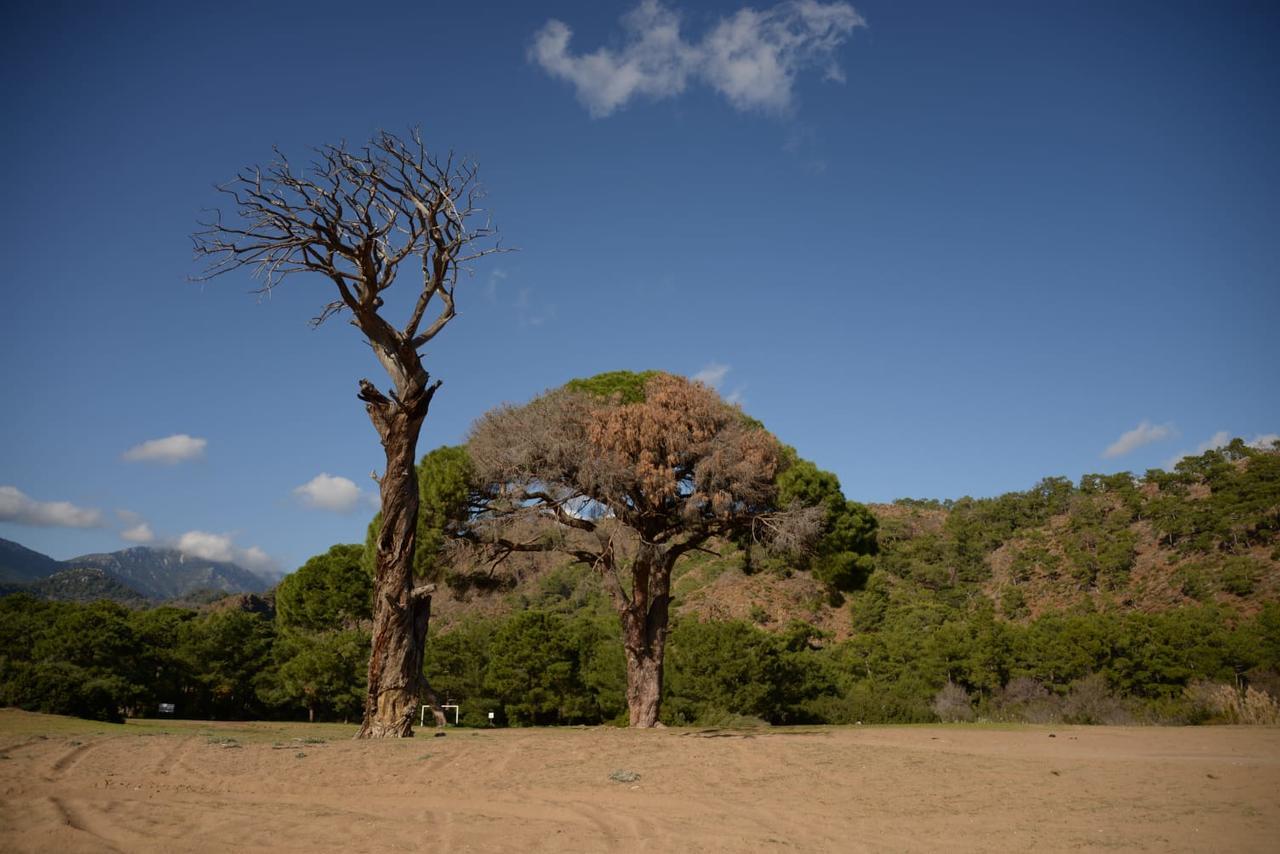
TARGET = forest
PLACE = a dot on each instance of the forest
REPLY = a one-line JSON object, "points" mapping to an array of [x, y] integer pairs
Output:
{"points": [[1117, 599]]}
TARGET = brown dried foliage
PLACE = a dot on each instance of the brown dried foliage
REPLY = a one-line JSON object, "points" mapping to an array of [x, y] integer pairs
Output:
{"points": [[1235, 705], [676, 468]]}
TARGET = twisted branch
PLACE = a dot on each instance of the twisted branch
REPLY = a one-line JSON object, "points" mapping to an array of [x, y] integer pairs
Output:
{"points": [[355, 216]]}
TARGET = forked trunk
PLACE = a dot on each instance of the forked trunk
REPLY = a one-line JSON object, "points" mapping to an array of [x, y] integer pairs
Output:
{"points": [[400, 613], [644, 634]]}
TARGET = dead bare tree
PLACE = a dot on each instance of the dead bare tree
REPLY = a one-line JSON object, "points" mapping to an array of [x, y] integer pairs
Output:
{"points": [[628, 488], [357, 216]]}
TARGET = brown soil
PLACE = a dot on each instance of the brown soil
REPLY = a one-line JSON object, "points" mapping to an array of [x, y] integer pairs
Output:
{"points": [[858, 789]]}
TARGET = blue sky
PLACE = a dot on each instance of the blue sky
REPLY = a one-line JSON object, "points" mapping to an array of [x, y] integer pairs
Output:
{"points": [[940, 248]]}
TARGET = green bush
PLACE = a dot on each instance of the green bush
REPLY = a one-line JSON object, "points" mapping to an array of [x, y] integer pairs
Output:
{"points": [[1241, 574]]}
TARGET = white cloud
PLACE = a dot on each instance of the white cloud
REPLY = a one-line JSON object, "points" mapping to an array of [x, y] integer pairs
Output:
{"points": [[206, 545], [136, 528], [713, 374], [1144, 434], [139, 533], [221, 547], [529, 314], [751, 57], [169, 450], [1220, 440], [1264, 440], [327, 492], [254, 558], [1217, 440], [15, 506], [496, 277]]}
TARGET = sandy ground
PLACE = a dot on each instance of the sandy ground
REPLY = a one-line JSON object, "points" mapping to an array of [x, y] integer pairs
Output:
{"points": [[70, 786]]}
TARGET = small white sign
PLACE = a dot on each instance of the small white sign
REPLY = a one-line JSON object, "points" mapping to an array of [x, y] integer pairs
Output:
{"points": [[491, 716]]}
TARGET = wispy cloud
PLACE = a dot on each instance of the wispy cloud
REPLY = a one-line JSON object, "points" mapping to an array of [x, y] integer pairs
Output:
{"points": [[1264, 441], [136, 529], [1144, 434], [500, 290], [16, 506], [801, 142], [496, 277], [1220, 440], [713, 374], [222, 548], [139, 533], [530, 314], [1217, 440], [751, 58], [329, 492], [169, 450]]}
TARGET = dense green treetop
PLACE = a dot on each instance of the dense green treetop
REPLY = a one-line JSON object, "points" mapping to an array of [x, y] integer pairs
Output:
{"points": [[445, 477], [626, 386], [844, 555], [329, 592]]}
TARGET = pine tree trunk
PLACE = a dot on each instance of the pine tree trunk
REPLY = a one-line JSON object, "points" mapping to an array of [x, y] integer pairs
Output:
{"points": [[644, 634], [400, 612], [644, 687]]}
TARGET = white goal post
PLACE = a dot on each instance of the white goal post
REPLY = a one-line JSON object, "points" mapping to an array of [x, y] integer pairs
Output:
{"points": [[456, 710]]}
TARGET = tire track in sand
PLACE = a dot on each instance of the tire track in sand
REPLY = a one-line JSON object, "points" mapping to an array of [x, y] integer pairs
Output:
{"points": [[604, 821], [170, 757], [69, 816], [70, 760]]}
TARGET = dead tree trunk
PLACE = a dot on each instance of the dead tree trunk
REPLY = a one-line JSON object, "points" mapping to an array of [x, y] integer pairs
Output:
{"points": [[358, 217], [401, 612], [644, 633]]}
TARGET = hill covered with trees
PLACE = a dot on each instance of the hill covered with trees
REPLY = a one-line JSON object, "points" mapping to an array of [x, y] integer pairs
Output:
{"points": [[1117, 598]]}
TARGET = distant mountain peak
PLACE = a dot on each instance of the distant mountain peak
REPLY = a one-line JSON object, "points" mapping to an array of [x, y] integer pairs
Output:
{"points": [[23, 565], [157, 573]]}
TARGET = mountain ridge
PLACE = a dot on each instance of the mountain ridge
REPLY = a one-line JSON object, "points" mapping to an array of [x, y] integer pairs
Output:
{"points": [[152, 573], [21, 565]]}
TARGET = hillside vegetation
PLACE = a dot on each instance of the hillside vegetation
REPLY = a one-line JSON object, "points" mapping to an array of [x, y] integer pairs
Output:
{"points": [[1207, 533], [1115, 599], [1118, 598]]}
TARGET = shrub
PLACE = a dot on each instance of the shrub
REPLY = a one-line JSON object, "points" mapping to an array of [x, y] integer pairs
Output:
{"points": [[1026, 700], [1013, 602], [1240, 575], [1192, 583], [1090, 701], [1234, 706], [952, 704]]}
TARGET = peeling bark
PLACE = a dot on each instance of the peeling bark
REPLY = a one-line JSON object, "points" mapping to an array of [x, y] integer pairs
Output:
{"points": [[401, 612], [356, 217]]}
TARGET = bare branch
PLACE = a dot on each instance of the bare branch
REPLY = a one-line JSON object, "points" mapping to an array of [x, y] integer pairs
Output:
{"points": [[354, 216]]}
